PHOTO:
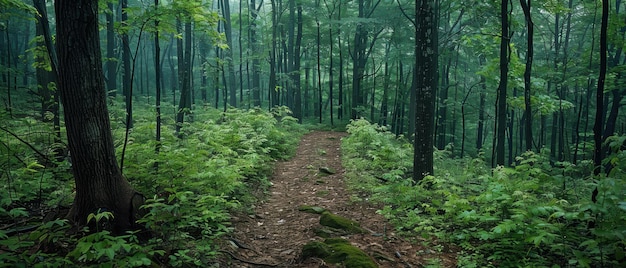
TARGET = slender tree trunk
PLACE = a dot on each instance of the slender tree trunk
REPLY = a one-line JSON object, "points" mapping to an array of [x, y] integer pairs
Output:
{"points": [[384, 102], [184, 105], [426, 83], [230, 65], [330, 73], [501, 110], [9, 104], [157, 77], [598, 125], [528, 129], [273, 86], [319, 73], [296, 72], [256, 65], [340, 109], [126, 78]]}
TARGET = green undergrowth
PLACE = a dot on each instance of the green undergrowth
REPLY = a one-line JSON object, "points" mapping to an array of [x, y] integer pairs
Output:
{"points": [[529, 215], [214, 166]]}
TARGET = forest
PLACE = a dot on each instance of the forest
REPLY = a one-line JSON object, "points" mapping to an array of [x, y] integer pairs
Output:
{"points": [[162, 133]]}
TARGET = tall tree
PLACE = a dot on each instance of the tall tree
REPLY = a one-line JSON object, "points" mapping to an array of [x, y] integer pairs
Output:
{"points": [[184, 104], [256, 64], [230, 64], [99, 182], [426, 83], [528, 129], [501, 111], [47, 73], [126, 77], [157, 77], [599, 117]]}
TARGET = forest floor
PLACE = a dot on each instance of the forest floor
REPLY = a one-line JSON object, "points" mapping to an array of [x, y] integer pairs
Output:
{"points": [[274, 234]]}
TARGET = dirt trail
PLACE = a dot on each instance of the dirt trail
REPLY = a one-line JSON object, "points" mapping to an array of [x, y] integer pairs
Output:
{"points": [[274, 235]]}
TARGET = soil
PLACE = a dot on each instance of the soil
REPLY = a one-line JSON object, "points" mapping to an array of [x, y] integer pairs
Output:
{"points": [[273, 236]]}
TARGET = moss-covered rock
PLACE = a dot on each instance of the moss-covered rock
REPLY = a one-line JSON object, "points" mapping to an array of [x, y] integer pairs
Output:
{"points": [[336, 221], [312, 209], [337, 250], [315, 249]]}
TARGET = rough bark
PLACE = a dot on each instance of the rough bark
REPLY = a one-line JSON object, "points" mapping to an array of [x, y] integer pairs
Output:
{"points": [[426, 76], [99, 182]]}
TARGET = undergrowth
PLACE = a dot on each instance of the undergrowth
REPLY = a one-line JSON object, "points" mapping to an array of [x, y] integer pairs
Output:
{"points": [[530, 215], [192, 184]]}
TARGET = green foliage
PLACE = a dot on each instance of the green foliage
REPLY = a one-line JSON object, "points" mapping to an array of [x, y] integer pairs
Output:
{"points": [[193, 183], [530, 215]]}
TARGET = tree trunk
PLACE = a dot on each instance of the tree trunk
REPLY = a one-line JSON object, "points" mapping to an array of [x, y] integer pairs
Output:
{"points": [[501, 111], [157, 77], [319, 73], [597, 127], [273, 86], [184, 105], [126, 78], [426, 81], [384, 102], [232, 98], [256, 65], [46, 79], [296, 68], [99, 182], [528, 129]]}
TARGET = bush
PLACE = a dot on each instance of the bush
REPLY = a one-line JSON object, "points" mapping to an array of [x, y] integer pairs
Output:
{"points": [[530, 215]]}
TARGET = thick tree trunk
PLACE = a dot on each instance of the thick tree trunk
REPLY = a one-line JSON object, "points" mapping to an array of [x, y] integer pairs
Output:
{"points": [[99, 182]]}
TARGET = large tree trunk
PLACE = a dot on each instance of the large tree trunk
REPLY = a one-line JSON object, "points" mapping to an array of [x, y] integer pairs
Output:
{"points": [[99, 182]]}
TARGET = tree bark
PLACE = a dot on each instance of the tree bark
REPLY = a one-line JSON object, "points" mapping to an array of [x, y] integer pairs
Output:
{"points": [[528, 130], [501, 111], [99, 182], [426, 79]]}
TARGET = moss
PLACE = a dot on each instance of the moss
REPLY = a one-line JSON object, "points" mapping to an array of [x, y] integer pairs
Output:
{"points": [[343, 252], [312, 209], [338, 250], [315, 249], [336, 221]]}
